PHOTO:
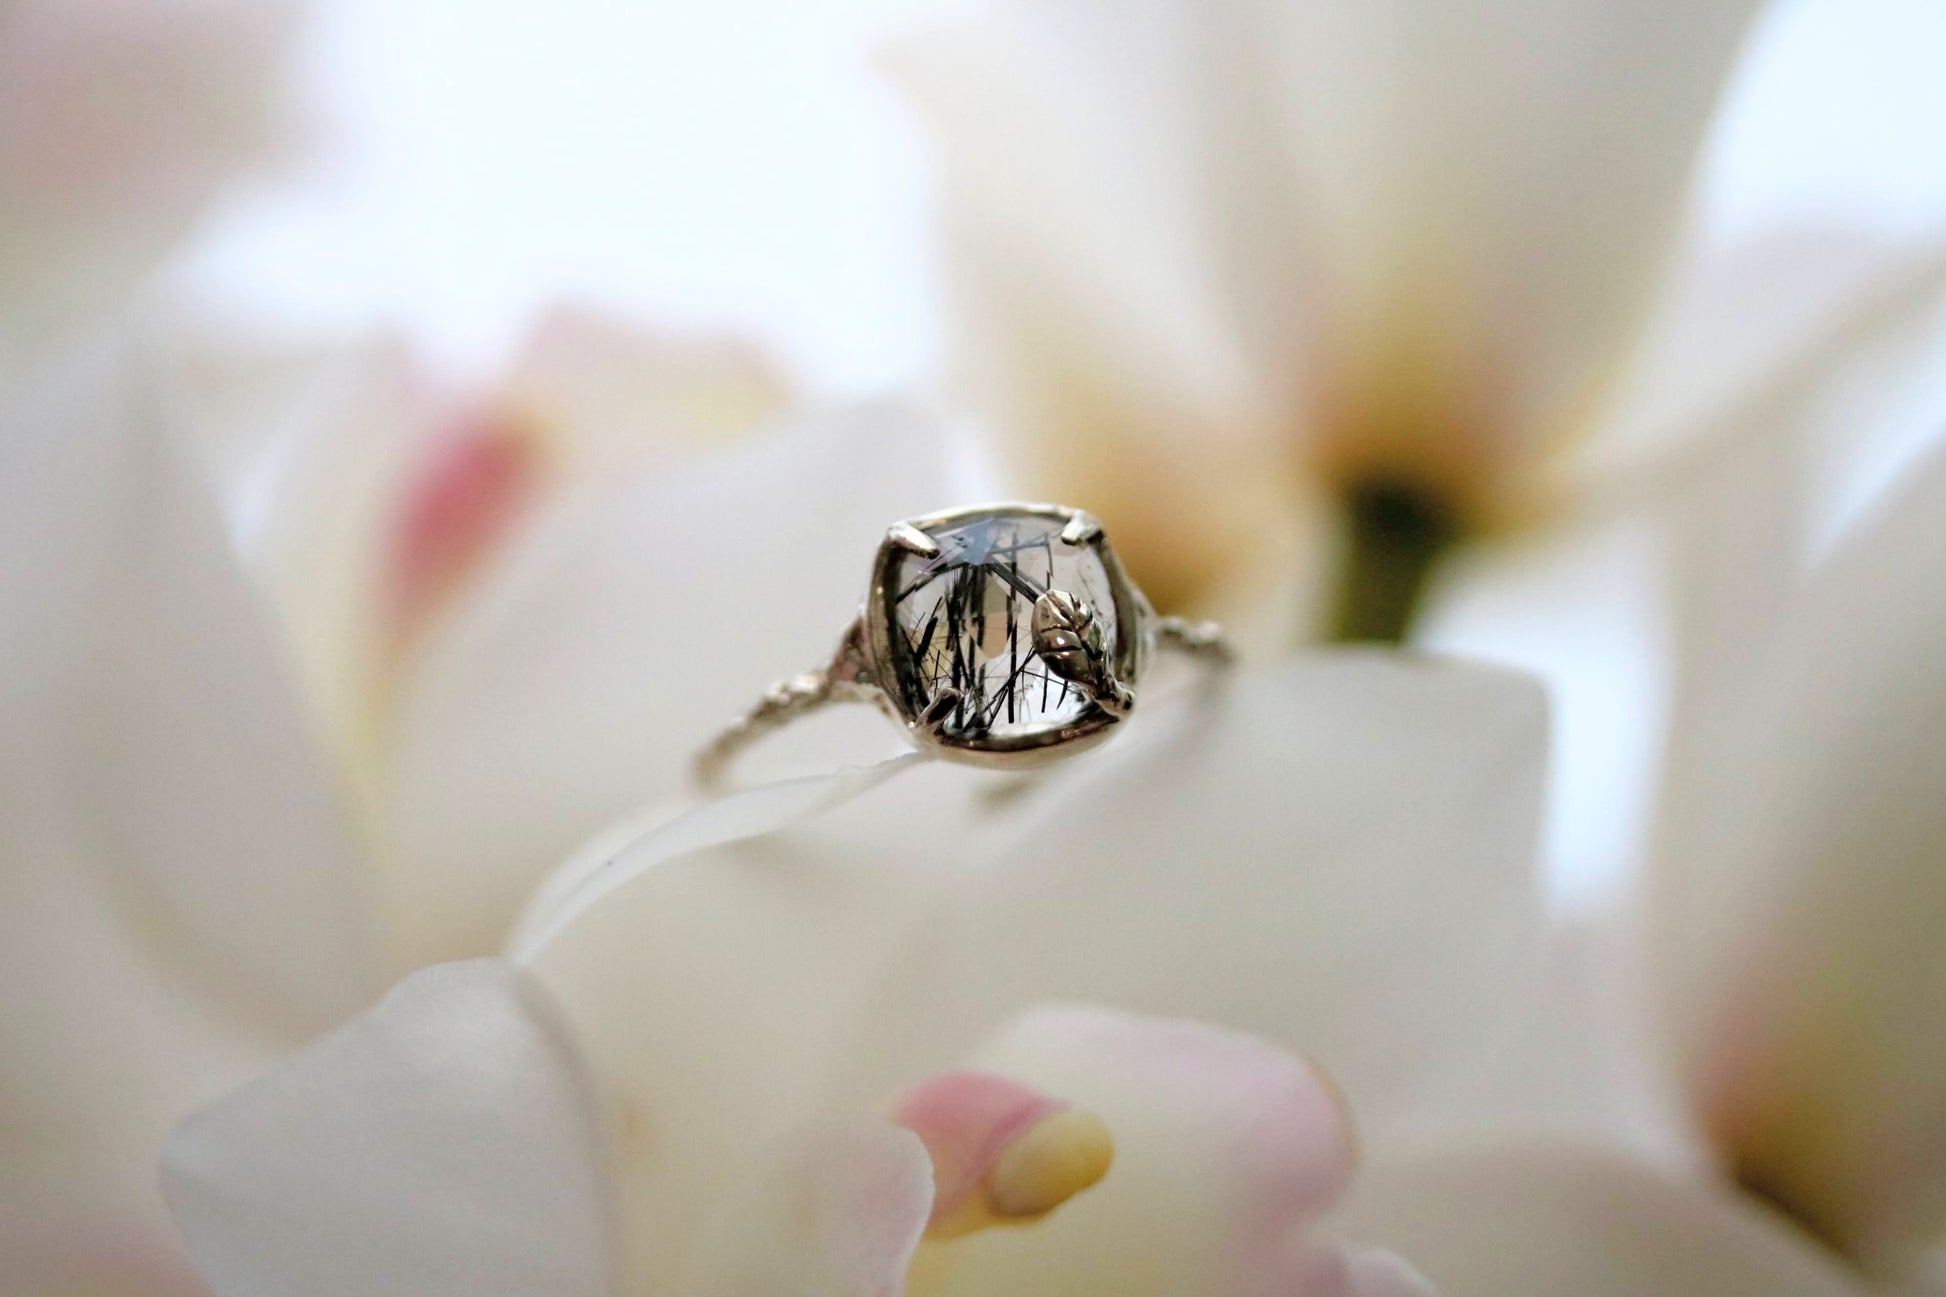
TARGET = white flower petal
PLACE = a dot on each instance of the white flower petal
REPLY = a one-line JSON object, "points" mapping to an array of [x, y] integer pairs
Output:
{"points": [[1583, 1059], [1546, 1219], [587, 401], [1373, 1273], [1795, 459], [178, 897], [119, 120], [629, 624], [1342, 841], [1338, 843], [316, 447], [145, 687], [102, 1055], [54, 1248], [446, 1143], [1799, 893], [1482, 191], [367, 499], [613, 396], [717, 993], [835, 1212], [1056, 126], [1384, 237], [1745, 338], [1742, 319], [617, 857], [1087, 331]]}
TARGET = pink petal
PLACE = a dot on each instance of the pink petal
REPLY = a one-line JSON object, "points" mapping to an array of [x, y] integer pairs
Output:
{"points": [[1227, 1149], [967, 1120], [466, 498]]}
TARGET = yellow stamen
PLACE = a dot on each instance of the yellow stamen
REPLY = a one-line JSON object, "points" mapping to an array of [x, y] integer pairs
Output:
{"points": [[1060, 1156], [1064, 1154]]}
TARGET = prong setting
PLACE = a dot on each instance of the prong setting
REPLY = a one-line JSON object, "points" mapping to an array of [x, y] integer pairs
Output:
{"points": [[909, 538], [1083, 528]]}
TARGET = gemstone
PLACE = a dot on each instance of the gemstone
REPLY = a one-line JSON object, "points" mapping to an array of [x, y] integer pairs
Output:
{"points": [[1008, 633]]}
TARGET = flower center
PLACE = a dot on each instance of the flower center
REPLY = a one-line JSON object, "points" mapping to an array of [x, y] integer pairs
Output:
{"points": [[1002, 1154]]}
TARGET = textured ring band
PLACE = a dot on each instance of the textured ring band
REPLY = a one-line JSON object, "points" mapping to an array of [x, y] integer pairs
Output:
{"points": [[1003, 635]]}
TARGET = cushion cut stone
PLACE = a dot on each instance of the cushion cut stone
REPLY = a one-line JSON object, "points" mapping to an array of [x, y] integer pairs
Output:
{"points": [[963, 625]]}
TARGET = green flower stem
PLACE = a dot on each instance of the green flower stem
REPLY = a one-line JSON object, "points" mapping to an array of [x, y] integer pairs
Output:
{"points": [[1394, 536]]}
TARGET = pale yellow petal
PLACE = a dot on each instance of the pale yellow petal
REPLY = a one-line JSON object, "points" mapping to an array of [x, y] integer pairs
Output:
{"points": [[1544, 1219], [1799, 893]]}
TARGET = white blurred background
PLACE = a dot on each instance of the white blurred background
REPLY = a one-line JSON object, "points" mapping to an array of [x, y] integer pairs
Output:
{"points": [[738, 161], [476, 160]]}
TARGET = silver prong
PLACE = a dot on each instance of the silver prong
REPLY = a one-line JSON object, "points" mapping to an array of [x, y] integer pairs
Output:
{"points": [[1115, 698], [908, 537], [940, 710], [1082, 527]]}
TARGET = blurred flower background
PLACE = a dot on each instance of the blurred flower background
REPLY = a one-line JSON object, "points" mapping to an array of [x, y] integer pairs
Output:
{"points": [[422, 422]]}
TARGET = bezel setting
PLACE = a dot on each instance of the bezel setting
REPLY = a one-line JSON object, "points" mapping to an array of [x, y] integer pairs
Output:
{"points": [[1065, 633]]}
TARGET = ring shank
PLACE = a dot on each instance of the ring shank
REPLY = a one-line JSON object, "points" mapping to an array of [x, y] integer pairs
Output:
{"points": [[846, 681], [781, 704], [1202, 640]]}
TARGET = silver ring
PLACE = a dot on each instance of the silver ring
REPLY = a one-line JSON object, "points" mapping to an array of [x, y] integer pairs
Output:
{"points": [[1000, 635]]}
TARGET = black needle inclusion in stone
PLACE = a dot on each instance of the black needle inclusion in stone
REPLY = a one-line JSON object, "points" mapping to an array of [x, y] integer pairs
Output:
{"points": [[966, 620]]}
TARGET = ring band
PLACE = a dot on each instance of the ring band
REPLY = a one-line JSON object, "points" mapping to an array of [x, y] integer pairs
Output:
{"points": [[1002, 635]]}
